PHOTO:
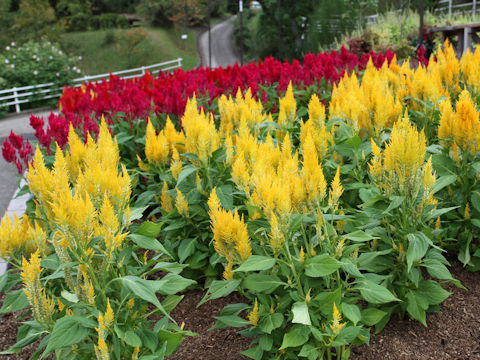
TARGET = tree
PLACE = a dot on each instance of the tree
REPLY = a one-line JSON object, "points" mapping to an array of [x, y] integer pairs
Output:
{"points": [[33, 20]]}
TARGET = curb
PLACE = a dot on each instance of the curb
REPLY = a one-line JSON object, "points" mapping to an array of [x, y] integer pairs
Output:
{"points": [[17, 206]]}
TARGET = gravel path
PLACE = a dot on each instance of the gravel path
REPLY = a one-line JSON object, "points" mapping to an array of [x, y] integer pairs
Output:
{"points": [[222, 48]]}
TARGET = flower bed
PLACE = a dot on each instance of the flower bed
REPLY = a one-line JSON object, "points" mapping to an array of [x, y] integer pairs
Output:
{"points": [[329, 218]]}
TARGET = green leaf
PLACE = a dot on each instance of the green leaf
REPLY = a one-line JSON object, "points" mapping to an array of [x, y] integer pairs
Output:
{"points": [[347, 335], [395, 202], [372, 316], [475, 199], [360, 236], [224, 194], [132, 339], [69, 330], [443, 181], [255, 353], [262, 283], [350, 268], [172, 340], [144, 289], [137, 212], [171, 301], [300, 313], [270, 322], [173, 267], [416, 306], [186, 172], [171, 284], [437, 270], [14, 301], [374, 293], [69, 296], [150, 243], [186, 248], [149, 229], [232, 320], [417, 248], [257, 263], [296, 336], [321, 265], [218, 289], [351, 312], [309, 351], [433, 292]]}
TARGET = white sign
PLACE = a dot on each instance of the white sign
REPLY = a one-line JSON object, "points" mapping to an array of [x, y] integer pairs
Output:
{"points": [[240, 5], [184, 36]]}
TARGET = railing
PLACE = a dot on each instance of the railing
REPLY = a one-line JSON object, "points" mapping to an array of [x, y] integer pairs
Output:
{"points": [[445, 5], [452, 5], [21, 95]]}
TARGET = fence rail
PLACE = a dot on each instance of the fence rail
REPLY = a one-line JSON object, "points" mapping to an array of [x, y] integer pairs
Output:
{"points": [[21, 95], [445, 5]]}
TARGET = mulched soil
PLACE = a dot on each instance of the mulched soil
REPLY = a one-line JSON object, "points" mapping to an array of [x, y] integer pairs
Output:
{"points": [[452, 333]]}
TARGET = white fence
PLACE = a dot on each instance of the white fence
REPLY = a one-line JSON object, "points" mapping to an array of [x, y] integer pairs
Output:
{"points": [[455, 5], [445, 5], [25, 94]]}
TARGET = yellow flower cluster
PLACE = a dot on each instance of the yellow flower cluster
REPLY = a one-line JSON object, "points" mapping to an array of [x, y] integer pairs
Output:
{"points": [[83, 203], [369, 106], [21, 237], [243, 110], [315, 128], [460, 128], [230, 235], [201, 135], [160, 148], [43, 307], [401, 166]]}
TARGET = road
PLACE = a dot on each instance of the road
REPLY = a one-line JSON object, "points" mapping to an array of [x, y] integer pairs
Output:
{"points": [[222, 48]]}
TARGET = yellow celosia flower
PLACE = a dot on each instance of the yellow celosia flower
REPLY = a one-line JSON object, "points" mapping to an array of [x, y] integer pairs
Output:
{"points": [[131, 303], [156, 146], [76, 155], [302, 255], [213, 201], [336, 324], [466, 214], [135, 353], [144, 167], [101, 351], [336, 191], [43, 307], [403, 158], [166, 199], [181, 204], [201, 136], [461, 126], [230, 235], [253, 316], [276, 236], [109, 316], [228, 272], [176, 166], [316, 111], [174, 137], [21, 236], [312, 173]]}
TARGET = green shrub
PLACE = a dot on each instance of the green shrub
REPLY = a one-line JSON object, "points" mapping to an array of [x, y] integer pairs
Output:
{"points": [[35, 63]]}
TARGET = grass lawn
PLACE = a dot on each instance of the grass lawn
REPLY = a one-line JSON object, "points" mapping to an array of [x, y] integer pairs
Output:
{"points": [[100, 56]]}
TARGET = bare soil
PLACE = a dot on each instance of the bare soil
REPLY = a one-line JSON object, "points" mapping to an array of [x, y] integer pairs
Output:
{"points": [[452, 333]]}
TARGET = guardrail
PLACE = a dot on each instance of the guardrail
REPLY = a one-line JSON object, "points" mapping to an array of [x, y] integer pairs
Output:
{"points": [[21, 95]]}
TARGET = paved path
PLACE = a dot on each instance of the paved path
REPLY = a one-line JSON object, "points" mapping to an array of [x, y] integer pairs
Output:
{"points": [[222, 49]]}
